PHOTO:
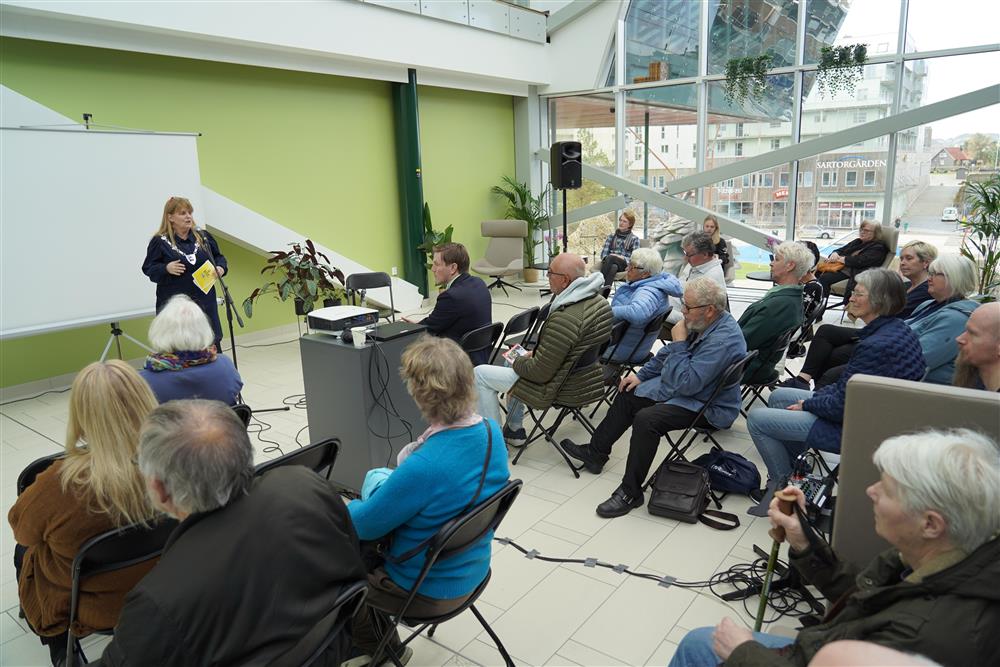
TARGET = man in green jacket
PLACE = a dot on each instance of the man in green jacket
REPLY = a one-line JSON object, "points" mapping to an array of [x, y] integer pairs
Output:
{"points": [[780, 311], [579, 320], [934, 593]]}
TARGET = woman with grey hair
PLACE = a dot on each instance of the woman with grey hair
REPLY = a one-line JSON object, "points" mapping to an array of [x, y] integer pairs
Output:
{"points": [[934, 593], [796, 420], [863, 253], [184, 362]]}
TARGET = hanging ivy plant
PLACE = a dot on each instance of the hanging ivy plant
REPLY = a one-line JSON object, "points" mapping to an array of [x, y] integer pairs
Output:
{"points": [[746, 78], [840, 68]]}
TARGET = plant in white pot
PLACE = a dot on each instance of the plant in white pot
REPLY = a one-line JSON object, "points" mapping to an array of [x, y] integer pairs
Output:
{"points": [[522, 205]]}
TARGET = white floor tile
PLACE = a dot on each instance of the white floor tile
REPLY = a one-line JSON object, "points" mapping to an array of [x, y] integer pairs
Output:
{"points": [[626, 541], [585, 655], [662, 655], [9, 628], [514, 575], [24, 651], [483, 652]]}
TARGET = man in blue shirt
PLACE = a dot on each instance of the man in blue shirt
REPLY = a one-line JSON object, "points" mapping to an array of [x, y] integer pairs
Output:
{"points": [[667, 393]]}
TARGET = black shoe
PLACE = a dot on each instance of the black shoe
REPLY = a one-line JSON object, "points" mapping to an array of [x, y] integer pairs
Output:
{"points": [[583, 453], [795, 383], [619, 504], [513, 437]]}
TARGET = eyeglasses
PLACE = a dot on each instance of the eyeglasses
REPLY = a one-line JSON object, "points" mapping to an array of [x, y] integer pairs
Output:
{"points": [[685, 305], [691, 254], [635, 266], [556, 273], [934, 274]]}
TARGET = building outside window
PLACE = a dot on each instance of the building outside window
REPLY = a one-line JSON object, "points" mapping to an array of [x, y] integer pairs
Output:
{"points": [[767, 179], [869, 178], [829, 179], [775, 144], [851, 179], [739, 149], [783, 179]]}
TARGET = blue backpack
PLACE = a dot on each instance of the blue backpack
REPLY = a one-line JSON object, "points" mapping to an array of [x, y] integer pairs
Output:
{"points": [[729, 472]]}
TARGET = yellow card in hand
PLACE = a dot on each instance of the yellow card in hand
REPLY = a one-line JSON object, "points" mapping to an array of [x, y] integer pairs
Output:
{"points": [[204, 277]]}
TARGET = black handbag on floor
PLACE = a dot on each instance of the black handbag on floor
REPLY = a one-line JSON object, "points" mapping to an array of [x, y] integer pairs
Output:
{"points": [[681, 491]]}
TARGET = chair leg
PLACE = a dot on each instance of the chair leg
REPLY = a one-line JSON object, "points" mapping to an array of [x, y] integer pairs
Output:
{"points": [[496, 640]]}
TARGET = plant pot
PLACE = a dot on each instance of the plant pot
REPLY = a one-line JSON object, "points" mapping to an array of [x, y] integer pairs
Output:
{"points": [[531, 275], [300, 309], [332, 301]]}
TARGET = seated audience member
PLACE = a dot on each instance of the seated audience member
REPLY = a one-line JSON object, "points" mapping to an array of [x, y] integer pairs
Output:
{"points": [[914, 260], [579, 319], [458, 462], [978, 364], [700, 261], [95, 488], [933, 593], [618, 247], [185, 363], [254, 564], [852, 653], [711, 227], [643, 297], [464, 302], [865, 252], [812, 289], [936, 322], [777, 313], [796, 419], [667, 393]]}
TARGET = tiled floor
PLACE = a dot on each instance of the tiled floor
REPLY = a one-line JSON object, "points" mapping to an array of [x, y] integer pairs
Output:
{"points": [[546, 614]]}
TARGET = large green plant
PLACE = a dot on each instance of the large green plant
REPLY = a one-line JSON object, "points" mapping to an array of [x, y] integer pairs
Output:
{"points": [[840, 68], [303, 274], [982, 233], [432, 238], [522, 205], [746, 78]]}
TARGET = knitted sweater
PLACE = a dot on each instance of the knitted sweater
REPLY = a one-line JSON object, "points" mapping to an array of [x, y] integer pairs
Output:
{"points": [[431, 487], [887, 348], [765, 321]]}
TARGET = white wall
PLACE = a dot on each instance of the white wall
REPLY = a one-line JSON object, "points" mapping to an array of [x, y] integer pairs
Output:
{"points": [[578, 50]]}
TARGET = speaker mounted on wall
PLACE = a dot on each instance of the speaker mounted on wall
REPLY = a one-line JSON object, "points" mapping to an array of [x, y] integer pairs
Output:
{"points": [[565, 165]]}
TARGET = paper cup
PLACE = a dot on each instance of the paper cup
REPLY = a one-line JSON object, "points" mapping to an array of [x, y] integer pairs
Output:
{"points": [[358, 336]]}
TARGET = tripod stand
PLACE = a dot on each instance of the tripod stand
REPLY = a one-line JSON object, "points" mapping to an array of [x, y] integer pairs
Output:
{"points": [[116, 334]]}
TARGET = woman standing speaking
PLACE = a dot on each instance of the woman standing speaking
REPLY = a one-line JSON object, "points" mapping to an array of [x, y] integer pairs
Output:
{"points": [[179, 260]]}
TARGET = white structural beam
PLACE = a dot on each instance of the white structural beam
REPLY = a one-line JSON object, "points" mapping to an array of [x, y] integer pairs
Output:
{"points": [[570, 12], [953, 106], [669, 202], [589, 211]]}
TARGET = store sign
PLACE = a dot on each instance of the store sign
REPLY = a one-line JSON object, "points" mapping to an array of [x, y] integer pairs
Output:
{"points": [[781, 193], [847, 204], [850, 162], [729, 191], [869, 205], [824, 204]]}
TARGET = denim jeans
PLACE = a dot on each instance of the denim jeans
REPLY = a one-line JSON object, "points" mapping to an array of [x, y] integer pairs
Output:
{"points": [[695, 650], [490, 381], [780, 434]]}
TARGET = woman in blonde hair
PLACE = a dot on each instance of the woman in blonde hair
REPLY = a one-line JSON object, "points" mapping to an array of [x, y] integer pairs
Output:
{"points": [[711, 226], [94, 488], [459, 461], [177, 251]]}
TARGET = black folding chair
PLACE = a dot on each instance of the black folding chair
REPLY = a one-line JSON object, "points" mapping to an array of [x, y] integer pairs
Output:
{"points": [[516, 325], [317, 457], [483, 338], [114, 550], [530, 339], [244, 412], [627, 366], [606, 291], [359, 283], [452, 539], [27, 476], [344, 608], [754, 389], [797, 346]]}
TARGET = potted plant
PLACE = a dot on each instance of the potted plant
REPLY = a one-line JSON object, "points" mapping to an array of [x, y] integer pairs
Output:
{"points": [[522, 205], [303, 274], [432, 238], [840, 68], [746, 78], [982, 234]]}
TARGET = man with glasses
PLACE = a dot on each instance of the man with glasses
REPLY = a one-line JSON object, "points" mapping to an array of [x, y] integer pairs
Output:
{"points": [[700, 262], [579, 320], [667, 393]]}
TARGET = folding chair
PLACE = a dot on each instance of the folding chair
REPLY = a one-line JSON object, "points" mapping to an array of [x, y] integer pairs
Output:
{"points": [[317, 457], [362, 282], [344, 608], [113, 550], [452, 539], [530, 339], [627, 366], [27, 476], [587, 358], [244, 412], [606, 291], [481, 339], [755, 390], [519, 324]]}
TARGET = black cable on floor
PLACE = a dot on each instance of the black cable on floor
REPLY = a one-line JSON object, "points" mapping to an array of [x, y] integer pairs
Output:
{"points": [[29, 398]]}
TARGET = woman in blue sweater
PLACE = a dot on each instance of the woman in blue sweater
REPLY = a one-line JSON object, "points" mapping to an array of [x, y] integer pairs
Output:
{"points": [[459, 461], [795, 419]]}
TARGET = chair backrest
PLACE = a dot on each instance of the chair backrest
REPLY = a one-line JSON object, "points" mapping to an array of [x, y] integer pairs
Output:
{"points": [[317, 457], [344, 608], [244, 412], [518, 324], [606, 291], [27, 476], [618, 330], [891, 237], [878, 408], [776, 350], [357, 282], [506, 240], [652, 327], [730, 378], [483, 338]]}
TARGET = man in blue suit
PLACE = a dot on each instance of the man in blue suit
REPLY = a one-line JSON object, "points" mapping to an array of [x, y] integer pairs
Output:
{"points": [[464, 304]]}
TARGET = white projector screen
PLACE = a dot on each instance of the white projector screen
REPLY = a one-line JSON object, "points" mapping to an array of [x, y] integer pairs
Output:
{"points": [[77, 210]]}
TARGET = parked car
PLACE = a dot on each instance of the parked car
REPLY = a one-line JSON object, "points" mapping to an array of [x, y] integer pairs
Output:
{"points": [[950, 214], [815, 231]]}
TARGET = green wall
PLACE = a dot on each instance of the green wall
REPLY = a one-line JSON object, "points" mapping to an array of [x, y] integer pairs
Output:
{"points": [[313, 152]]}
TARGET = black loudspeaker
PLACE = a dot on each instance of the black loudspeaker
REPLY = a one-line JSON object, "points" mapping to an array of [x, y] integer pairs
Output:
{"points": [[565, 165]]}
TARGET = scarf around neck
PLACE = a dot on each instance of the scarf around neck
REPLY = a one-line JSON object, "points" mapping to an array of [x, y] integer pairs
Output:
{"points": [[176, 361], [468, 420]]}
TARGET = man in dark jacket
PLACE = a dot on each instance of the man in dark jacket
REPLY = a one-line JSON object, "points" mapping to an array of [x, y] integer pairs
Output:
{"points": [[579, 321], [780, 311], [464, 303], [251, 572], [934, 593]]}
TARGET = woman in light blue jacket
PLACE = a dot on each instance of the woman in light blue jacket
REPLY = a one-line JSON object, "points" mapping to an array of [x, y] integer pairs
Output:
{"points": [[638, 301], [938, 322]]}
